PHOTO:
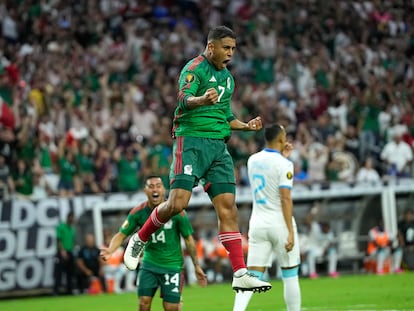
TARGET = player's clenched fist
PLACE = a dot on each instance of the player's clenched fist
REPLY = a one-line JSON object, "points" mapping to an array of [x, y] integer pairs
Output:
{"points": [[210, 96], [255, 124]]}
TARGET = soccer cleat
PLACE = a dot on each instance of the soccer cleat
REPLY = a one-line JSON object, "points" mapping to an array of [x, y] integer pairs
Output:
{"points": [[334, 275], [133, 251], [398, 270], [249, 282], [313, 276]]}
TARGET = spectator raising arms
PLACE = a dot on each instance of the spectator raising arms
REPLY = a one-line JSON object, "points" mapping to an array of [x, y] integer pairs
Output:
{"points": [[347, 69]]}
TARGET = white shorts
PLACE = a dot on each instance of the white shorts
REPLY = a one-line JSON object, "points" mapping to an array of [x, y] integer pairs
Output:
{"points": [[264, 242]]}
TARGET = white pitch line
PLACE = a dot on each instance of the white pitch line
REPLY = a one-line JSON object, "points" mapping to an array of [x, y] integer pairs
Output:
{"points": [[362, 307]]}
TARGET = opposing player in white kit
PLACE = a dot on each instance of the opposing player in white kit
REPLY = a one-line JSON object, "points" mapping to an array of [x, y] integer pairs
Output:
{"points": [[272, 228]]}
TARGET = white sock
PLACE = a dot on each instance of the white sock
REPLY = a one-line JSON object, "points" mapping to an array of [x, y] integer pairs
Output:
{"points": [[311, 263], [397, 259], [382, 255], [242, 300], [332, 261], [291, 293], [304, 268], [240, 272]]}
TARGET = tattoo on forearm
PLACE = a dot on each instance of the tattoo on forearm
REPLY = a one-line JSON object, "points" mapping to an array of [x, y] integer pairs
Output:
{"points": [[193, 253]]}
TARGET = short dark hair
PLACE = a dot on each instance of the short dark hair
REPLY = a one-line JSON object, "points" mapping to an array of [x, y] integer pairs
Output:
{"points": [[272, 131], [150, 177], [220, 32]]}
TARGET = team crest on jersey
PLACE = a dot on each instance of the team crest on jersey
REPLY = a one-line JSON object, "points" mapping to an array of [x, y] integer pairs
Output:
{"points": [[289, 175], [189, 78], [125, 224], [168, 224]]}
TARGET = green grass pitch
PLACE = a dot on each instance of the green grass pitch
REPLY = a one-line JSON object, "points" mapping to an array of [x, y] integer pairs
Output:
{"points": [[350, 292]]}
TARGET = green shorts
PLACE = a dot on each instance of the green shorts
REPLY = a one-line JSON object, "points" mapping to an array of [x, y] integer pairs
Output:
{"points": [[202, 159], [170, 285]]}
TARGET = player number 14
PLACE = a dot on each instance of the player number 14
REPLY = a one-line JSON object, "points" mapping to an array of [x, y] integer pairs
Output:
{"points": [[175, 279], [160, 237]]}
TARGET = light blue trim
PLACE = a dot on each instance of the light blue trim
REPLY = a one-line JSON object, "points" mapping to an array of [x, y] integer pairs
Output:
{"points": [[276, 151], [256, 273], [288, 187], [289, 273], [271, 150]]}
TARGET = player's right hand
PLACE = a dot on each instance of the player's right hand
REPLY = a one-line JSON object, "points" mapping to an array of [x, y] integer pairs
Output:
{"points": [[105, 254], [210, 96], [201, 276], [289, 243]]}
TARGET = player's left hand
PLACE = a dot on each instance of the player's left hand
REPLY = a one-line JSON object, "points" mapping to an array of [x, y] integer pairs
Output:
{"points": [[255, 124], [201, 276]]}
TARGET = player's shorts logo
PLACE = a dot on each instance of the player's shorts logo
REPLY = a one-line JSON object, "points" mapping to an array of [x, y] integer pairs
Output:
{"points": [[188, 169], [189, 78], [289, 175]]}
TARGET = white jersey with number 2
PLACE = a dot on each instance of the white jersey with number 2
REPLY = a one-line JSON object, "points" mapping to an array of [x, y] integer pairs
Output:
{"points": [[268, 171]]}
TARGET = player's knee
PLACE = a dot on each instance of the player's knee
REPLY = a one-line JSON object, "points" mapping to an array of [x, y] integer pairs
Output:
{"points": [[177, 201], [175, 206], [144, 304], [171, 306]]}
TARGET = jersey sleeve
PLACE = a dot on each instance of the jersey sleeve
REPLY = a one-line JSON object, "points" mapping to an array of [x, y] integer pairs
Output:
{"points": [[129, 225], [184, 225], [286, 175], [229, 114], [189, 83]]}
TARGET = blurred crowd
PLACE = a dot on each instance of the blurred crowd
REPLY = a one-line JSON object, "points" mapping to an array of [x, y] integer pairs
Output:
{"points": [[88, 88]]}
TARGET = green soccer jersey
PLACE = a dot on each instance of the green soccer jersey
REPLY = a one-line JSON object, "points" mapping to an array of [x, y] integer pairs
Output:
{"points": [[128, 173], [163, 251], [68, 170], [211, 121], [85, 163], [66, 235]]}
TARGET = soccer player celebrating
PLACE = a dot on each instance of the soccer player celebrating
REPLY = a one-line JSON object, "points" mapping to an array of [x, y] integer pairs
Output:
{"points": [[272, 228], [202, 124], [163, 261]]}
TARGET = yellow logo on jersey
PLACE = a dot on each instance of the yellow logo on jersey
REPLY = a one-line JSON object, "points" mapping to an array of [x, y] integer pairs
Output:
{"points": [[289, 175], [125, 224], [189, 78]]}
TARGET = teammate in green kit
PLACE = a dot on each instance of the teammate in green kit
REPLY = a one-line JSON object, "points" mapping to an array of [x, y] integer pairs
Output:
{"points": [[202, 124], [65, 258], [163, 261]]}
